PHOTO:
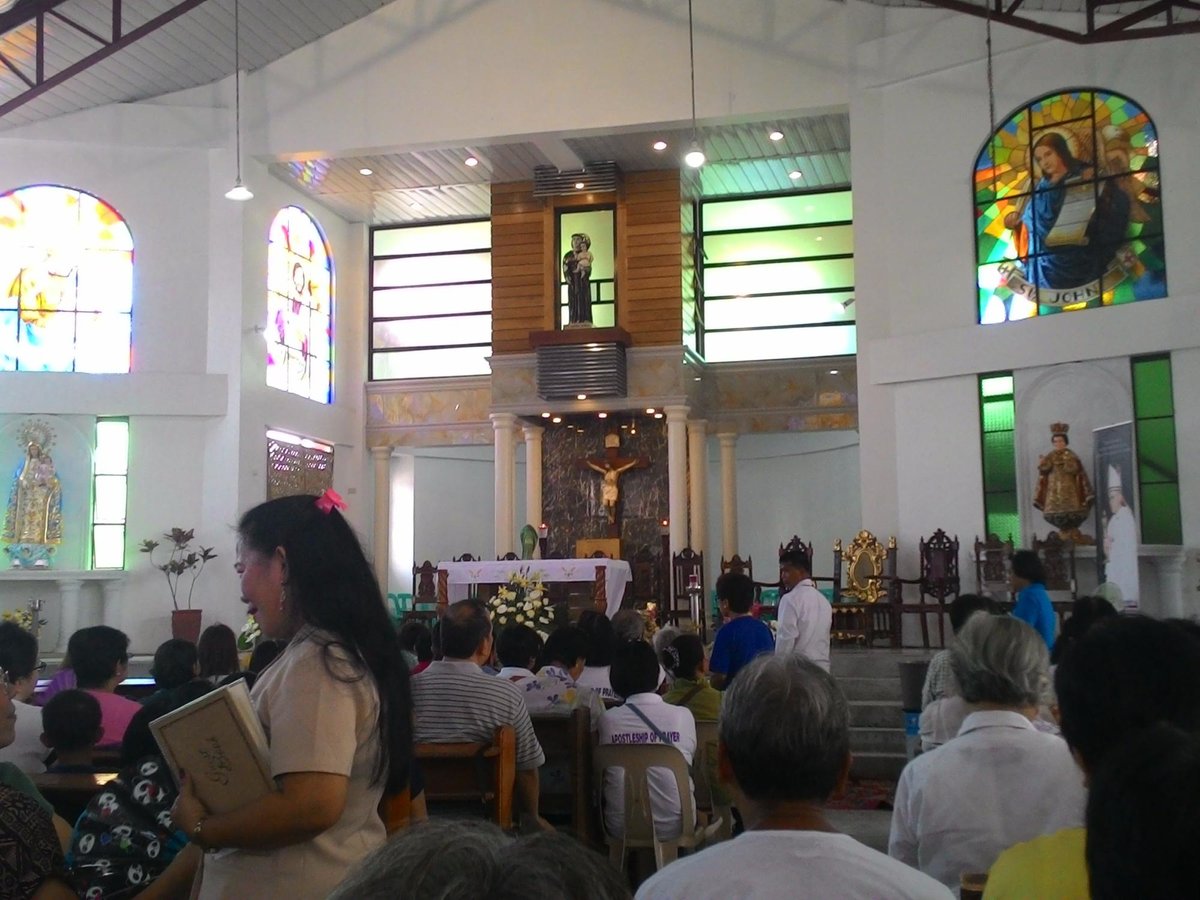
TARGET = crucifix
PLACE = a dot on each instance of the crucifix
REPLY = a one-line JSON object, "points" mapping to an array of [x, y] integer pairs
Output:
{"points": [[611, 466]]}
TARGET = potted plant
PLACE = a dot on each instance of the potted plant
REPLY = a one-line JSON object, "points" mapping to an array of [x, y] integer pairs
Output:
{"points": [[185, 621]]}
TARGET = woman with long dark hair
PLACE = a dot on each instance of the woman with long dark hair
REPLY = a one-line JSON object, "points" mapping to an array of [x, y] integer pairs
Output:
{"points": [[336, 707]]}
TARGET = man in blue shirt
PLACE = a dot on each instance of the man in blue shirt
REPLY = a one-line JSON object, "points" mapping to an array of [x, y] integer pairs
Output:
{"points": [[743, 637]]}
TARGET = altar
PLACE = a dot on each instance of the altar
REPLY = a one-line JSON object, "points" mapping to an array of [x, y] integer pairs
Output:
{"points": [[608, 576]]}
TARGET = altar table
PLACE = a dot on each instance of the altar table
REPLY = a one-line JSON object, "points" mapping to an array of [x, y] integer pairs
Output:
{"points": [[609, 576]]}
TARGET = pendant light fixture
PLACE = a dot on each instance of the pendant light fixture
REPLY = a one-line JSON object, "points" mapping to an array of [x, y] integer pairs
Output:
{"points": [[239, 191], [695, 155]]}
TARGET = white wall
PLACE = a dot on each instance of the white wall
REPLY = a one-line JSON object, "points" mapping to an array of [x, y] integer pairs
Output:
{"points": [[919, 116]]}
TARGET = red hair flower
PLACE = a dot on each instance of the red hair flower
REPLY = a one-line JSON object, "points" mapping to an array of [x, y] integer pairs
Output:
{"points": [[329, 501]]}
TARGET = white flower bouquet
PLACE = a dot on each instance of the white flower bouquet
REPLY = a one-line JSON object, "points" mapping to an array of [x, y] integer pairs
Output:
{"points": [[522, 601]]}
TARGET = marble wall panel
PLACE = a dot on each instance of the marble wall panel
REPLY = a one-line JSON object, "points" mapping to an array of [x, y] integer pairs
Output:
{"points": [[571, 494]]}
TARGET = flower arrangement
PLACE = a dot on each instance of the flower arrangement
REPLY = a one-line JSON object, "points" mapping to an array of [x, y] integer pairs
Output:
{"points": [[249, 635], [522, 601], [650, 616], [27, 618], [182, 559]]}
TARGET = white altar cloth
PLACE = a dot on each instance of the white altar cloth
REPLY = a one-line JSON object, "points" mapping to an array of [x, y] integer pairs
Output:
{"points": [[617, 574]]}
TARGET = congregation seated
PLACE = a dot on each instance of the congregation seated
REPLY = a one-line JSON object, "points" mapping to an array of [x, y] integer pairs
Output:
{"points": [[602, 641], [942, 709], [685, 663], [217, 653], [1123, 676], [1085, 612], [645, 718], [175, 664], [34, 864], [742, 637], [1000, 781], [71, 730], [554, 690], [265, 653], [1141, 818], [454, 701], [100, 657], [19, 660], [446, 859], [784, 749], [416, 642]]}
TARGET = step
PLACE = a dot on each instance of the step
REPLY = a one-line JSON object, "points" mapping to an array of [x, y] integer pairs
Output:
{"points": [[874, 663], [878, 765], [879, 690], [877, 740], [876, 714]]}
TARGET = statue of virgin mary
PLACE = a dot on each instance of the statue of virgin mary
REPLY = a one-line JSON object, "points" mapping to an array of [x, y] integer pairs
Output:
{"points": [[33, 522]]}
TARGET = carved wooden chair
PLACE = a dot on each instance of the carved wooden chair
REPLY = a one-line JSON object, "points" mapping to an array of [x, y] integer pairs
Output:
{"points": [[866, 603], [687, 567], [738, 565], [647, 570], [1058, 559], [508, 557], [424, 591], [992, 567], [938, 581]]}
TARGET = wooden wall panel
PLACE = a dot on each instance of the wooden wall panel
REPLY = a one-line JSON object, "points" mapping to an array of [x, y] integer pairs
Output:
{"points": [[649, 267]]}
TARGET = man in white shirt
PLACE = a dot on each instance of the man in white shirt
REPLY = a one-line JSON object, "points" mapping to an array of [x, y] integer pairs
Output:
{"points": [[805, 616], [784, 748], [1000, 781]]}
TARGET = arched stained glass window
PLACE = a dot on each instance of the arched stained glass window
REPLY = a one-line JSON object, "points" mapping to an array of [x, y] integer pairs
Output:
{"points": [[66, 282], [1068, 208], [299, 307]]}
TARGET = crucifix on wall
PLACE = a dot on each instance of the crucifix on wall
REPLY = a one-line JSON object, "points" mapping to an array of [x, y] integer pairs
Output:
{"points": [[611, 466]]}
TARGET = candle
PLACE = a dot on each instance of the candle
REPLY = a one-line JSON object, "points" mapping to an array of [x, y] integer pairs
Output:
{"points": [[543, 530]]}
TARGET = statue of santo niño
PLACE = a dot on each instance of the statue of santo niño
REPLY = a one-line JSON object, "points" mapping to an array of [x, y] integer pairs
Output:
{"points": [[1064, 493]]}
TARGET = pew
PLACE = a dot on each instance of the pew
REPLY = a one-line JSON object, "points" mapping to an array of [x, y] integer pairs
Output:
{"points": [[69, 793], [472, 775], [567, 742]]}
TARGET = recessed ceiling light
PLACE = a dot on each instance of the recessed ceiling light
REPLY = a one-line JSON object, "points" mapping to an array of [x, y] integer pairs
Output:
{"points": [[602, 415], [579, 185], [649, 410], [471, 161], [365, 171], [658, 415], [833, 371], [776, 135], [581, 396], [556, 419], [697, 378], [626, 427], [545, 415], [820, 238], [659, 145], [795, 174]]}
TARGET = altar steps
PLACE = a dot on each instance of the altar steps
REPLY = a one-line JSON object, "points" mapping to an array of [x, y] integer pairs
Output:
{"points": [[871, 682]]}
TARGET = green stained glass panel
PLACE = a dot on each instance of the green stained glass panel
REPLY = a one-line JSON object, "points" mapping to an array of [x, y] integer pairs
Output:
{"points": [[1156, 450], [999, 467], [1161, 523], [108, 547], [1152, 393], [769, 212], [998, 415], [996, 385]]}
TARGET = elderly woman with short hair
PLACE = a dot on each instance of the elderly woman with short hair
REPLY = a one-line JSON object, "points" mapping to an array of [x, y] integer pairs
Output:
{"points": [[1000, 781]]}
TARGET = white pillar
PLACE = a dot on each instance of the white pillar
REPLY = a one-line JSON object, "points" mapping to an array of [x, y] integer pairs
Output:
{"points": [[533, 474], [1168, 570], [503, 426], [677, 475], [110, 603], [698, 482], [381, 540], [729, 529], [68, 608]]}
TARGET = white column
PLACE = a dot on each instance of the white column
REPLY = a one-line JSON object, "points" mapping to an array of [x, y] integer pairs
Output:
{"points": [[533, 474], [729, 529], [68, 606], [503, 426], [1168, 569], [698, 482], [677, 475], [381, 534], [110, 603]]}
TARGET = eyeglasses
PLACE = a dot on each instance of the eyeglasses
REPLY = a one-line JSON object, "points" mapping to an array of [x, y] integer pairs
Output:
{"points": [[10, 684]]}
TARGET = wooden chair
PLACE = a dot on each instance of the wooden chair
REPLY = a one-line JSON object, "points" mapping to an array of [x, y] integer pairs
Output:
{"points": [[567, 742], [424, 592], [866, 603], [992, 570], [686, 565], [472, 773], [711, 796], [636, 761], [738, 565], [472, 589], [70, 794], [508, 557], [1058, 559], [938, 581], [796, 543], [646, 571]]}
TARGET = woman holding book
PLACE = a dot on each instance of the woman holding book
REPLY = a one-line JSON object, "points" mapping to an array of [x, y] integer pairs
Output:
{"points": [[335, 706]]}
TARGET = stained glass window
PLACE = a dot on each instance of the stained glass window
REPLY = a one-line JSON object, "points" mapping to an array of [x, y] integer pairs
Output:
{"points": [[997, 414], [431, 300], [1068, 208], [299, 307], [66, 282], [778, 276]]}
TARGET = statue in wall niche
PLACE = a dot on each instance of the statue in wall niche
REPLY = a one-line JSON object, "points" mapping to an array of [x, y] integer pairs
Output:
{"points": [[33, 520], [577, 275], [1064, 493]]}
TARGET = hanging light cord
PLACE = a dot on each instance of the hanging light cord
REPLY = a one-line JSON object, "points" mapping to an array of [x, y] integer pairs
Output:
{"points": [[237, 85], [692, 64], [990, 81]]}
